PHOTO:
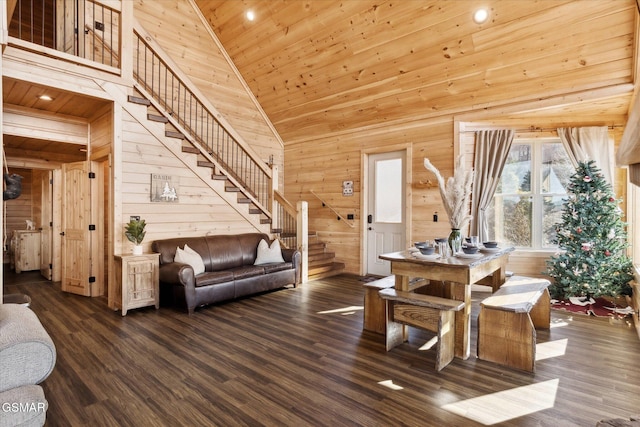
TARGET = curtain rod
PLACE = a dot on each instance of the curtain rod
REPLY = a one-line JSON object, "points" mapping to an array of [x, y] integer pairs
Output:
{"points": [[537, 129]]}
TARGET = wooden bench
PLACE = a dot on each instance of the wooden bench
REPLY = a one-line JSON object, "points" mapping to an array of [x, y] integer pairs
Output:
{"points": [[427, 312], [374, 306], [508, 320]]}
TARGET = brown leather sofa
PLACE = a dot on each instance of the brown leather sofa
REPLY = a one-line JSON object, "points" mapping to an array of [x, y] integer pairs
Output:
{"points": [[230, 272]]}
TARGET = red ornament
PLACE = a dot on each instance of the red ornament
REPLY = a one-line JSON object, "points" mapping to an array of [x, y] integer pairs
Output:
{"points": [[611, 199], [607, 253], [579, 230]]}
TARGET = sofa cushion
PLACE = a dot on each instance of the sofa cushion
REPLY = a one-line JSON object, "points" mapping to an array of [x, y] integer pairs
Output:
{"points": [[278, 266], [268, 254], [213, 277], [247, 271], [191, 257], [27, 353]]}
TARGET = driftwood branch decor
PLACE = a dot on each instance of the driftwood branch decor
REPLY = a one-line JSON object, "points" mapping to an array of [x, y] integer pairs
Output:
{"points": [[455, 193]]}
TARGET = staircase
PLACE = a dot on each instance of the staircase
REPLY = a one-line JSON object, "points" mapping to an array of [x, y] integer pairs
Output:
{"points": [[322, 263], [216, 173]]}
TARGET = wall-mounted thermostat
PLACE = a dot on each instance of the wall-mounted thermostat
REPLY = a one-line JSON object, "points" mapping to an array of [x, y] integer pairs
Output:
{"points": [[347, 188]]}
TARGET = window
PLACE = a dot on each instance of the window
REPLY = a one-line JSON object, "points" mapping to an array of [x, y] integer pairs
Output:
{"points": [[529, 199], [388, 188]]}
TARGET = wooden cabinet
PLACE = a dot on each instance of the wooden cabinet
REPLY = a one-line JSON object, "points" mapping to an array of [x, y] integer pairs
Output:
{"points": [[26, 250], [136, 282]]}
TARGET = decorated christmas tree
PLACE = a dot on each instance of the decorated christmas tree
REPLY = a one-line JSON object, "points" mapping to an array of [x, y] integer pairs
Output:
{"points": [[592, 240]]}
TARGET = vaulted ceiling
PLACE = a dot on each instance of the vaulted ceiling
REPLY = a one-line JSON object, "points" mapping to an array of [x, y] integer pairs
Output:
{"points": [[323, 66]]}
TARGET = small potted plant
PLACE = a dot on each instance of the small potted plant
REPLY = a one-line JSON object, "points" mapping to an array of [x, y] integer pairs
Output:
{"points": [[134, 230]]}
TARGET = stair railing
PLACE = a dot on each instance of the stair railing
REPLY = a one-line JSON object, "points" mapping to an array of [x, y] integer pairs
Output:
{"points": [[338, 214], [285, 220], [156, 77]]}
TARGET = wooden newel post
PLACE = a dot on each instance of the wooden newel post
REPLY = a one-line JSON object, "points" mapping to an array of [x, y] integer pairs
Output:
{"points": [[303, 237]]}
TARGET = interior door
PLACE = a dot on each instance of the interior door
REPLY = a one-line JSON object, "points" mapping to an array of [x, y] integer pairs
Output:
{"points": [[76, 237], [385, 209]]}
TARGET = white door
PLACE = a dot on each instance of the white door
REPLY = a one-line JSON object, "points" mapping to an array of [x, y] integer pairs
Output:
{"points": [[385, 209]]}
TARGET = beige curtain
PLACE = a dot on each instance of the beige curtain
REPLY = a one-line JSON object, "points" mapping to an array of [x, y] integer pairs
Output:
{"points": [[590, 143], [492, 148]]}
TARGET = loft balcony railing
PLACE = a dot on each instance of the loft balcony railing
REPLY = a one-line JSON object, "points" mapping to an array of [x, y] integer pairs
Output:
{"points": [[86, 29], [175, 97]]}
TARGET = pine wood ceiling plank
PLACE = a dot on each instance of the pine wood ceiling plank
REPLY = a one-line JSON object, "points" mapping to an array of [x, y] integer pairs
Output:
{"points": [[375, 30], [290, 31], [371, 58], [447, 70], [325, 123], [570, 16], [331, 52], [231, 22], [581, 62], [330, 80]]}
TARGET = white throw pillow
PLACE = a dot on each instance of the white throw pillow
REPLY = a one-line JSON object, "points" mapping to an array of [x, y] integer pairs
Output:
{"points": [[191, 257], [268, 254]]}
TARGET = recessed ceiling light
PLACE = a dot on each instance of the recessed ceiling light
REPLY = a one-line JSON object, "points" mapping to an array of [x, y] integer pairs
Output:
{"points": [[480, 16], [45, 98], [250, 15]]}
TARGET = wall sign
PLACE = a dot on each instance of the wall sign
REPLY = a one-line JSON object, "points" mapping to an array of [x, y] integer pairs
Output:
{"points": [[164, 188], [347, 188]]}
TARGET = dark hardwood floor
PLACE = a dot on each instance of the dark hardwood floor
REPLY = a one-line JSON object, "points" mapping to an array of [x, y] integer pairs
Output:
{"points": [[299, 357]]}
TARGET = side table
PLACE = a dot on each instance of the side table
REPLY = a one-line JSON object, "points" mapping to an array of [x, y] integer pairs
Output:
{"points": [[136, 282]]}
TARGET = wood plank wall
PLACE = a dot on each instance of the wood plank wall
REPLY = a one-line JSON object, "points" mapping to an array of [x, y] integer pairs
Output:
{"points": [[322, 165], [175, 26], [20, 209], [200, 211]]}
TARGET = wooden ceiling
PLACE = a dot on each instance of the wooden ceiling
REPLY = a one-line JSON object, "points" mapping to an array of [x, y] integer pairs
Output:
{"points": [[22, 95], [321, 67]]}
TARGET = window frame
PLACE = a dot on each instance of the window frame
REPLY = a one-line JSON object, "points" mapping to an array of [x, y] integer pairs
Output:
{"points": [[535, 191]]}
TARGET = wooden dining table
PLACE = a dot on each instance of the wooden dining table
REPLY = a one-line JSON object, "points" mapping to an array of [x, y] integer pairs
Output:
{"points": [[450, 277]]}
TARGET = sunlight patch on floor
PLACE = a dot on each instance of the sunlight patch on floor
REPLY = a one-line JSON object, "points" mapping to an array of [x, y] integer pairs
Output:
{"points": [[560, 323], [508, 404], [429, 344], [547, 350], [390, 384], [344, 311]]}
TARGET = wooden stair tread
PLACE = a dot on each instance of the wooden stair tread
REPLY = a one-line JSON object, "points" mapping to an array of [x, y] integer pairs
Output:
{"points": [[138, 100], [174, 134], [157, 118], [190, 149], [333, 269]]}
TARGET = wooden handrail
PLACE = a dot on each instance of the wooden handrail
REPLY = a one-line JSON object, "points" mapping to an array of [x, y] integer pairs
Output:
{"points": [[350, 224], [287, 205]]}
